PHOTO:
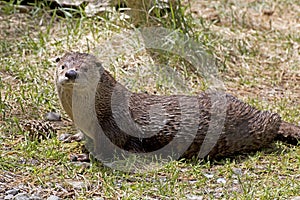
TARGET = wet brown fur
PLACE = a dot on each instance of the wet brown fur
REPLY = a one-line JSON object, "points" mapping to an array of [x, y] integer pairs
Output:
{"points": [[245, 128]]}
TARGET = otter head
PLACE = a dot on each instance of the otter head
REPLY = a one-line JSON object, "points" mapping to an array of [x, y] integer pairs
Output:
{"points": [[77, 76], [77, 71]]}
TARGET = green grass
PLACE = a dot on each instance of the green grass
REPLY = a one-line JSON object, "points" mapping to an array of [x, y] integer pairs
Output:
{"points": [[257, 63]]}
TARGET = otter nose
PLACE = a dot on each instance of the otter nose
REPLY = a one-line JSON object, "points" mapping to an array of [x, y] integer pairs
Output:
{"points": [[71, 74]]}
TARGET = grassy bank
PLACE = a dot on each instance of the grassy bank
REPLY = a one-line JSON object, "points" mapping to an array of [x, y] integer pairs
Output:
{"points": [[256, 45]]}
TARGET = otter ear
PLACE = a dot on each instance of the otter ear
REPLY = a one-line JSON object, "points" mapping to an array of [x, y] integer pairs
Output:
{"points": [[57, 59]]}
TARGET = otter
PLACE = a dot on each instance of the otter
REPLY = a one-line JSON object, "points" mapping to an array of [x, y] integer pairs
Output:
{"points": [[144, 123]]}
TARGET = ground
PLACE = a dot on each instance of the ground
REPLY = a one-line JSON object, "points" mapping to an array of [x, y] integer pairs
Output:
{"points": [[256, 46]]}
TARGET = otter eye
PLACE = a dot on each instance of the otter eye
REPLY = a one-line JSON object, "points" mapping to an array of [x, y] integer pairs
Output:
{"points": [[63, 67], [57, 59]]}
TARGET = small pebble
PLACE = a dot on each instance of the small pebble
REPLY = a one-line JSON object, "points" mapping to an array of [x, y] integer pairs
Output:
{"points": [[21, 196], [237, 171], [12, 191], [193, 181], [221, 180], [98, 198], [295, 198], [35, 198], [64, 136], [194, 197], [8, 197], [163, 179], [208, 175], [52, 116], [53, 197]]}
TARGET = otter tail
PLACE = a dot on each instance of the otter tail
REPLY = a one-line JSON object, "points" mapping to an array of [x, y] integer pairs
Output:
{"points": [[289, 133]]}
